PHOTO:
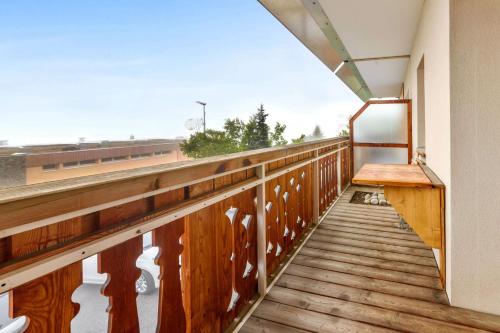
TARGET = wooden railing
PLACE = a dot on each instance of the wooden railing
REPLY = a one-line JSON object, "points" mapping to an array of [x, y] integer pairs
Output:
{"points": [[234, 220]]}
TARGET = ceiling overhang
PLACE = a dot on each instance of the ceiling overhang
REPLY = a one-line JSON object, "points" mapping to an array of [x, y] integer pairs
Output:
{"points": [[366, 43]]}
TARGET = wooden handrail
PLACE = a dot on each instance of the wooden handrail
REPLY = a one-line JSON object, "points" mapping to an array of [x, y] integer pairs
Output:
{"points": [[46, 230]]}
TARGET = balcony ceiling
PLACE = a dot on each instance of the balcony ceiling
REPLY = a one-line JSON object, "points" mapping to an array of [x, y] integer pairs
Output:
{"points": [[373, 37]]}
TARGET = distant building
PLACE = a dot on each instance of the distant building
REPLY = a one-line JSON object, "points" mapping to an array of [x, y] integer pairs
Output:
{"points": [[38, 164]]}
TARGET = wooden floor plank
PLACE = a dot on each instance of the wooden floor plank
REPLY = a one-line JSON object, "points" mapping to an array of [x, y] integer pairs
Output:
{"points": [[360, 270], [406, 305], [392, 288], [371, 262], [257, 325], [362, 221], [363, 313], [427, 253], [388, 235], [347, 204], [372, 238], [364, 226], [365, 211], [368, 216], [310, 320]]}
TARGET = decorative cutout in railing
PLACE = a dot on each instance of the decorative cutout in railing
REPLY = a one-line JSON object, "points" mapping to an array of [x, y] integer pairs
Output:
{"points": [[207, 211]]}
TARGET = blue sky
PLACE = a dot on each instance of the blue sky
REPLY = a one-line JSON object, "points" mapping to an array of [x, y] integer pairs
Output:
{"points": [[108, 69]]}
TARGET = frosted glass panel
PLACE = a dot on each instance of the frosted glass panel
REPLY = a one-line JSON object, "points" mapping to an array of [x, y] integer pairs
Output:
{"points": [[382, 123], [363, 155]]}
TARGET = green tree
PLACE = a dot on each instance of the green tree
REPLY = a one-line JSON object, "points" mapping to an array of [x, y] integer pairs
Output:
{"points": [[256, 133], [234, 129], [317, 133], [344, 131], [210, 143], [300, 139], [236, 136], [277, 135]]}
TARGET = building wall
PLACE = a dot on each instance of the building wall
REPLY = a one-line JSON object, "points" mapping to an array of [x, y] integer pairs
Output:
{"points": [[12, 171], [432, 41], [36, 174], [475, 153]]}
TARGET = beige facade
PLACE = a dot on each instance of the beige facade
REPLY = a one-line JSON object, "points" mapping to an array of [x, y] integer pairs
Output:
{"points": [[37, 174]]}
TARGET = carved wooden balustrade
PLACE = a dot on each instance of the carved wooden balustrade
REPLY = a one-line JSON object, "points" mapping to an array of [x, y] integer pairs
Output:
{"points": [[234, 220]]}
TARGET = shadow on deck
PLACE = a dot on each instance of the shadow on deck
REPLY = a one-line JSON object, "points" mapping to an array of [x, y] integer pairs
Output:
{"points": [[359, 272]]}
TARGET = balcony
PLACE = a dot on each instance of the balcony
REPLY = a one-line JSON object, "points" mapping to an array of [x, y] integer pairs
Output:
{"points": [[264, 240]]}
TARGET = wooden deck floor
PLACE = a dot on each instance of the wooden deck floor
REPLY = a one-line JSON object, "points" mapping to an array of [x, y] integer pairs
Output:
{"points": [[359, 272]]}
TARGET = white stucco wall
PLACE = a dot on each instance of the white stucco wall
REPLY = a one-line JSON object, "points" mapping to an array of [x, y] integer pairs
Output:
{"points": [[432, 41], [460, 40], [475, 153]]}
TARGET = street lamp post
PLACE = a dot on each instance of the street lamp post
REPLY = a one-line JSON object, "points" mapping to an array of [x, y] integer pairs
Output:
{"points": [[204, 114]]}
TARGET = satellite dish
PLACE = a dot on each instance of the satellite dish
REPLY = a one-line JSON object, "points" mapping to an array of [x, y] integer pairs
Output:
{"points": [[189, 124], [193, 124]]}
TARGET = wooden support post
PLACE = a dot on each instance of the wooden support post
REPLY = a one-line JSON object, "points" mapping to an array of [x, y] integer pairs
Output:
{"points": [[261, 232], [315, 185], [340, 169]]}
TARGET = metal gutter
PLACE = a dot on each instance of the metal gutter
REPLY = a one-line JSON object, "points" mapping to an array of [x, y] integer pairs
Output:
{"points": [[320, 38]]}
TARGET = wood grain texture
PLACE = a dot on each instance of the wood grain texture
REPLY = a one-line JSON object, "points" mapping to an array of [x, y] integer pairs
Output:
{"points": [[392, 175], [311, 320], [171, 314], [119, 263], [199, 273], [46, 301], [334, 287], [421, 209]]}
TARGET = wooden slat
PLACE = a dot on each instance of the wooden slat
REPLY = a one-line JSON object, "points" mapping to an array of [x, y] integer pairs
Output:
{"points": [[171, 314], [362, 211], [393, 288], [119, 263], [346, 203], [362, 221], [373, 239], [366, 226], [253, 325], [363, 313], [373, 246], [379, 236], [372, 262], [199, 273], [272, 225], [337, 213], [425, 261], [224, 246], [401, 304], [46, 301], [387, 235], [372, 272], [310, 320], [282, 220]]}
